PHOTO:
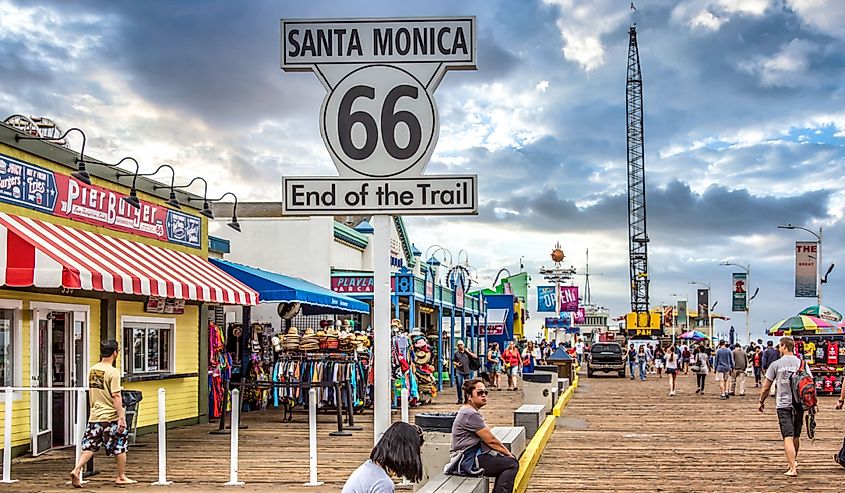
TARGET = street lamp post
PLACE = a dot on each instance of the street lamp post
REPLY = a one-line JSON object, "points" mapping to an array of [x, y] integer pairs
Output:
{"points": [[818, 260], [709, 317], [747, 269], [434, 264]]}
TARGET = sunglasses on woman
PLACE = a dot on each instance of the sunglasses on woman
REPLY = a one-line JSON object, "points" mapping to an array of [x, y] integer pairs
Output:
{"points": [[481, 393]]}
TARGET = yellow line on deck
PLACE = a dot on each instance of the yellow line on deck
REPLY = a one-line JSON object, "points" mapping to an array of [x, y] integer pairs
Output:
{"points": [[537, 445]]}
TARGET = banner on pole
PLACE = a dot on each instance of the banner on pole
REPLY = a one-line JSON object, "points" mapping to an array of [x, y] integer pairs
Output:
{"points": [[740, 292], [569, 298], [703, 304], [806, 259], [682, 314], [668, 316], [545, 298]]}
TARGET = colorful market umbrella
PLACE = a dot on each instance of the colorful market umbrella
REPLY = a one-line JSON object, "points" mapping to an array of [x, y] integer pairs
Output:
{"points": [[802, 323], [823, 312], [694, 334]]}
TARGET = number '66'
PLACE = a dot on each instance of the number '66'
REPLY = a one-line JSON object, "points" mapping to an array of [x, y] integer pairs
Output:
{"points": [[390, 118]]}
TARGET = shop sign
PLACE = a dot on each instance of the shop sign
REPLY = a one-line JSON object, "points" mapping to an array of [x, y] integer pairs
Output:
{"points": [[740, 291], [491, 329], [63, 196], [158, 304], [379, 120], [357, 284], [806, 254], [562, 322]]}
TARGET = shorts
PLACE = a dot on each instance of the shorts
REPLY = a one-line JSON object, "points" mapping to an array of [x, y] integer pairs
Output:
{"points": [[512, 371], [671, 371], [106, 434], [723, 376], [791, 421]]}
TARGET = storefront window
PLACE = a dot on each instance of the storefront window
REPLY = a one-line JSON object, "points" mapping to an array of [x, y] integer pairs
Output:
{"points": [[147, 347], [8, 323]]}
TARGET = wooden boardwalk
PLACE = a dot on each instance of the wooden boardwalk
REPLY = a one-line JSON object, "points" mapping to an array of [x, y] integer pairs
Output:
{"points": [[622, 435], [273, 454]]}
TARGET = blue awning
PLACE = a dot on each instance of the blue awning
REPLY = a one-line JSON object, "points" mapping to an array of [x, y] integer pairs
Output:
{"points": [[277, 288]]}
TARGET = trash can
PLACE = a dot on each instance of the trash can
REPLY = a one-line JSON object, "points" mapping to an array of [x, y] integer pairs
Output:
{"points": [[437, 432], [131, 399]]}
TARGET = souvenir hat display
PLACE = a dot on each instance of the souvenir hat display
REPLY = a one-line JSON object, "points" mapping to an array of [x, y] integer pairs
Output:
{"points": [[332, 341], [292, 340], [348, 344], [310, 341]]}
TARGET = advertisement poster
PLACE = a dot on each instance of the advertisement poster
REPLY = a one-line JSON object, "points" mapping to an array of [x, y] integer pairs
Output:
{"points": [[569, 298], [739, 286], [40, 189], [580, 316], [545, 299], [459, 296], [682, 320], [806, 255], [704, 304], [563, 322], [491, 329], [429, 286], [668, 316]]}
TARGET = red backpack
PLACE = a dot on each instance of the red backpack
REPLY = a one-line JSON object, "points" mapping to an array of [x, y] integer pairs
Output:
{"points": [[803, 389]]}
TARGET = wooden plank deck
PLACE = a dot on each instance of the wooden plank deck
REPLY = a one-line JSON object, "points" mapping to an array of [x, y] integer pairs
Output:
{"points": [[622, 435], [273, 454]]}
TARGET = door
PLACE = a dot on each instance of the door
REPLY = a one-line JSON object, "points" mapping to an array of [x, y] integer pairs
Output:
{"points": [[41, 365]]}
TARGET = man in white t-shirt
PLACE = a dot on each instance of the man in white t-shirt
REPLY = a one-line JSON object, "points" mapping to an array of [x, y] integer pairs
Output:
{"points": [[790, 416], [579, 351]]}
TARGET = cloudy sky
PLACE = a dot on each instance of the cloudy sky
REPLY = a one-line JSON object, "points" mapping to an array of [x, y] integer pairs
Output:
{"points": [[744, 123]]}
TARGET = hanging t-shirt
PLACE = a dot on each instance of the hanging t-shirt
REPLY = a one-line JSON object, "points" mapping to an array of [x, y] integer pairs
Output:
{"points": [[828, 384], [821, 350], [810, 352], [799, 348], [832, 353]]}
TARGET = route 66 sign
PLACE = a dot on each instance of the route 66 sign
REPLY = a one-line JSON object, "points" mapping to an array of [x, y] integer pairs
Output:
{"points": [[379, 118]]}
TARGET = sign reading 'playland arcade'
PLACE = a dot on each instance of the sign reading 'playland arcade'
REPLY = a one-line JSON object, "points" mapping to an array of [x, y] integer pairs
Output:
{"points": [[379, 119]]}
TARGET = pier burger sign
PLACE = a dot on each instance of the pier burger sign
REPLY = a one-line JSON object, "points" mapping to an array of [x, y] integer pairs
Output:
{"points": [[379, 119]]}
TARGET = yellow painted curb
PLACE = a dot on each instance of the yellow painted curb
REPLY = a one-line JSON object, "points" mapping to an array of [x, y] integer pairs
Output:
{"points": [[532, 454], [564, 398]]}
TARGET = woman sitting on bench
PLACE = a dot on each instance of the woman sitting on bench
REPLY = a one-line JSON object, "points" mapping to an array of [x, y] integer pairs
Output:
{"points": [[472, 438]]}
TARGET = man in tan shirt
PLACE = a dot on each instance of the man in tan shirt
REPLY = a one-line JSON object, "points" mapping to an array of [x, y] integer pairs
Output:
{"points": [[107, 418]]}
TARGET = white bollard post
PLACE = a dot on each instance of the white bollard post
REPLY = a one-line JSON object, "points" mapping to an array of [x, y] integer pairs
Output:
{"points": [[80, 426], [7, 437], [233, 464], [405, 395], [312, 438], [162, 441]]}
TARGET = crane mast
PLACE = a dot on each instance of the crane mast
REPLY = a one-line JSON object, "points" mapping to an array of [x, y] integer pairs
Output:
{"points": [[637, 234]]}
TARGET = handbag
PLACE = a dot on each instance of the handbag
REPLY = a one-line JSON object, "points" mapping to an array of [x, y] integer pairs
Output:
{"points": [[474, 363]]}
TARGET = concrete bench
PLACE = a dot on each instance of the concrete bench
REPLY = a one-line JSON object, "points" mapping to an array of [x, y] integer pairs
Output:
{"points": [[562, 384], [530, 416], [512, 437], [456, 484]]}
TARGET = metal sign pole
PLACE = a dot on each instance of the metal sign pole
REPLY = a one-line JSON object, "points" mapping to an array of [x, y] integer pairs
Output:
{"points": [[381, 326]]}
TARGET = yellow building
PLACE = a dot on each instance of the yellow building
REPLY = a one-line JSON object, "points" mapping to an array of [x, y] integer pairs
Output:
{"points": [[80, 263]]}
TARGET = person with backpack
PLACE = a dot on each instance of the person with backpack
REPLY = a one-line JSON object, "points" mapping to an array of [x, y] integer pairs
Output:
{"points": [[757, 360], [795, 394]]}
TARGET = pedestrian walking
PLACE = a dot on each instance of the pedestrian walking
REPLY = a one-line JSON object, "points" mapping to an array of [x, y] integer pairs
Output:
{"points": [[790, 414], [770, 355], [106, 419], [642, 361], [631, 355], [659, 360], [724, 362], [512, 361], [686, 356], [738, 373], [649, 355], [701, 367], [471, 437], [530, 356], [579, 351], [460, 360], [397, 453], [672, 369], [494, 364], [757, 361]]}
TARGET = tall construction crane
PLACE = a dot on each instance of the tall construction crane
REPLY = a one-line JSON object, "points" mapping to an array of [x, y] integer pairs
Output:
{"points": [[637, 234]]}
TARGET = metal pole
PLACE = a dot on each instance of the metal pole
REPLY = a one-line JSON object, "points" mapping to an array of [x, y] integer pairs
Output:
{"points": [[381, 312], [312, 437], [452, 340], [440, 341], [233, 454], [819, 268], [162, 440], [748, 304], [80, 422], [406, 419], [7, 436]]}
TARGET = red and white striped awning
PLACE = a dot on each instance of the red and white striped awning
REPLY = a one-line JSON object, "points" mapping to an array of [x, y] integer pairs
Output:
{"points": [[45, 255]]}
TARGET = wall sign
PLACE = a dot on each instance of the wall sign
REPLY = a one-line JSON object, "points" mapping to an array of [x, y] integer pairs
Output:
{"points": [[157, 304], [40, 189], [357, 284]]}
